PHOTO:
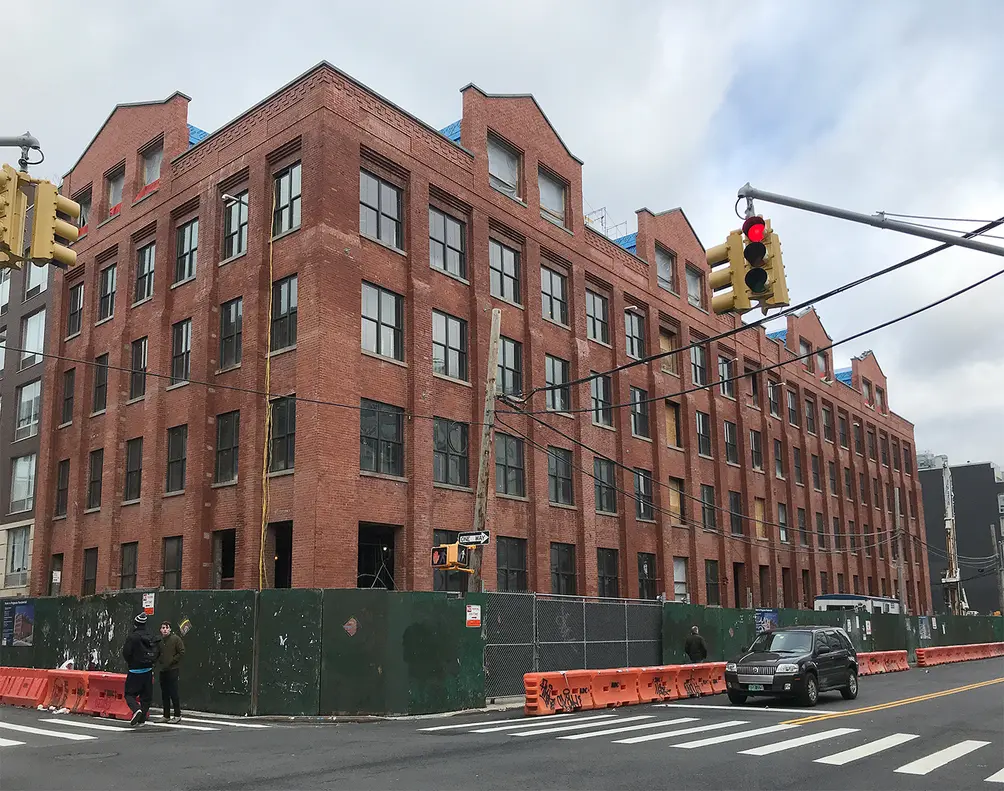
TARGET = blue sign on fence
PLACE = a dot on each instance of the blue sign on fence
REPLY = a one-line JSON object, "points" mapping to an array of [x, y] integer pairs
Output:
{"points": [[767, 619]]}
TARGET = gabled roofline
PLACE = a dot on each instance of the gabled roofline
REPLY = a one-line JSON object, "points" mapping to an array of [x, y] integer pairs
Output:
{"points": [[532, 98], [671, 211], [122, 106], [869, 353]]}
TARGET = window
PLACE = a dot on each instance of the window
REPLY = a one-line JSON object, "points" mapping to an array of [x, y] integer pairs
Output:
{"points": [[872, 449], [597, 317], [134, 469], [137, 366], [859, 446], [231, 332], [666, 270], [669, 343], [885, 450], [36, 278], [698, 365], [695, 287], [95, 469], [731, 442], [127, 576], [736, 513], [228, 438], [880, 398], [644, 508], [853, 536], [824, 585], [69, 383], [821, 530], [756, 449], [827, 423], [552, 196], [382, 319], [842, 430], [181, 351], [115, 182], [607, 572], [725, 383], [778, 459], [559, 476], [821, 364], [876, 491], [510, 555], [848, 484], [172, 563], [639, 412], [866, 389], [793, 408], [62, 487], [284, 314], [380, 211], [711, 583], [841, 588], [704, 434], [805, 353], [503, 271], [831, 470], [449, 346], [838, 539], [381, 438], [4, 289], [606, 483], [760, 517], [84, 201], [907, 459], [75, 310], [510, 372], [816, 474], [677, 511], [100, 400], [89, 579], [449, 452], [282, 442], [810, 415], [32, 339], [509, 475], [798, 465], [235, 226], [782, 522], [634, 334], [145, 260], [556, 375], [866, 541], [753, 377], [29, 399], [680, 580], [187, 252], [563, 568], [503, 167], [774, 397], [647, 580], [152, 157], [600, 397], [22, 483], [673, 436], [803, 533], [106, 293], [554, 295], [447, 242], [177, 453], [708, 519], [286, 214], [895, 455]]}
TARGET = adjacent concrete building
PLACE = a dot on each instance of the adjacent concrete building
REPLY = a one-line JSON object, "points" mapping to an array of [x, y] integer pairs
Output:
{"points": [[330, 252]]}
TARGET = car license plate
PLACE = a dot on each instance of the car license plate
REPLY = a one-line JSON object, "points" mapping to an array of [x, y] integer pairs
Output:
{"points": [[756, 687]]}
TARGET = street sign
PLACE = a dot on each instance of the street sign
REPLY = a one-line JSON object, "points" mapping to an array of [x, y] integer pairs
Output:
{"points": [[473, 539]]}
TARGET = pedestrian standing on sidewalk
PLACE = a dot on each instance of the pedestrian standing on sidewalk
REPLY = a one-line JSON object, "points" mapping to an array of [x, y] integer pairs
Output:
{"points": [[140, 653], [172, 649], [695, 647]]}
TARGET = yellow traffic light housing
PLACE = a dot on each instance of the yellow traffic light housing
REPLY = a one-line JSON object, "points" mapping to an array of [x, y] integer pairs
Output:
{"points": [[778, 297], [728, 268], [13, 207], [47, 226], [452, 557]]}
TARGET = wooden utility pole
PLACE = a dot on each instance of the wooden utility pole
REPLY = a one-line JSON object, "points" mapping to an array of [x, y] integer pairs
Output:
{"points": [[899, 561], [487, 436], [998, 564]]}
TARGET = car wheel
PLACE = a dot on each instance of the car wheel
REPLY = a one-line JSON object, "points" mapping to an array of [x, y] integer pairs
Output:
{"points": [[850, 692], [810, 692], [737, 698]]}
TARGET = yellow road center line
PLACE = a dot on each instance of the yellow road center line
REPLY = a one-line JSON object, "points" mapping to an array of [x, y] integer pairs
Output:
{"points": [[892, 704]]}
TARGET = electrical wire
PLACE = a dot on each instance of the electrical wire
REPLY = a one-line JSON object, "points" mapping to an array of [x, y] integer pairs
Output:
{"points": [[929, 217], [950, 230], [760, 322]]}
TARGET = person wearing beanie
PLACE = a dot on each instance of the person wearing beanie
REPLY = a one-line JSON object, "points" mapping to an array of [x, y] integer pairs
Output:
{"points": [[140, 653]]}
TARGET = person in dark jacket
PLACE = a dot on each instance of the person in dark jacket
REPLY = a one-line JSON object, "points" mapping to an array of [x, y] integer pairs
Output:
{"points": [[172, 649], [139, 652], [695, 647]]}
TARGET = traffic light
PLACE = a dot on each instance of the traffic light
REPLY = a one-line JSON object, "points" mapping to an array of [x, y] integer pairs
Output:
{"points": [[728, 290], [440, 557], [775, 271], [13, 206], [452, 557], [755, 253], [47, 226]]}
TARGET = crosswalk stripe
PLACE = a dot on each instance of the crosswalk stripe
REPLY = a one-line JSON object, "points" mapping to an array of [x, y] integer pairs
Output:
{"points": [[490, 722], [578, 726], [798, 741], [610, 731], [996, 778], [929, 763], [81, 724], [541, 723], [9, 743], [669, 734], [181, 727], [73, 737], [871, 748], [731, 737], [200, 721]]}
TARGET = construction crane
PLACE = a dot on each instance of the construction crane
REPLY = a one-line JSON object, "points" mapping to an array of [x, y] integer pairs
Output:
{"points": [[951, 579]]}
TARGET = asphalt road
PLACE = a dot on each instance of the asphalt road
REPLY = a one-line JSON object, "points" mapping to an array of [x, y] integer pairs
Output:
{"points": [[936, 729]]}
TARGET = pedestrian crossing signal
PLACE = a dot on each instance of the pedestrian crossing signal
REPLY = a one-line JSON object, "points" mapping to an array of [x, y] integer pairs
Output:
{"points": [[451, 557]]}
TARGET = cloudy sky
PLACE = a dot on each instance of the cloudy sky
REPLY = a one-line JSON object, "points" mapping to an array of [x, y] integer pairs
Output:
{"points": [[891, 106]]}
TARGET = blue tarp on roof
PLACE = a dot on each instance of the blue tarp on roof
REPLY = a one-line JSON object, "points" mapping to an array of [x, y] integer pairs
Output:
{"points": [[779, 335], [844, 375], [629, 242], [196, 135], [452, 131]]}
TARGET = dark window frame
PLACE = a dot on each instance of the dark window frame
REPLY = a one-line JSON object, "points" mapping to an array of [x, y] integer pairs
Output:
{"points": [[286, 216], [227, 456], [133, 469], [235, 226], [231, 333], [284, 313], [177, 458], [106, 292], [381, 438], [560, 488], [95, 474], [137, 367], [62, 487], [186, 254], [504, 272], [597, 317], [173, 551], [75, 310], [605, 486], [640, 416], [563, 574], [69, 387], [452, 247], [510, 560], [643, 497], [99, 402], [452, 362], [181, 352], [282, 436], [554, 306], [510, 372], [381, 212], [450, 461], [380, 325], [128, 562], [634, 334], [607, 573], [146, 267], [510, 466]]}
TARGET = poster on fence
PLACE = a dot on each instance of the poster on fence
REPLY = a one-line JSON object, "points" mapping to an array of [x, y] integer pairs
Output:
{"points": [[18, 623], [767, 619], [924, 627]]}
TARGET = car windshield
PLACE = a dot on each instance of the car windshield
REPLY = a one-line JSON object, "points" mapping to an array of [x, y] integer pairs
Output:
{"points": [[783, 642]]}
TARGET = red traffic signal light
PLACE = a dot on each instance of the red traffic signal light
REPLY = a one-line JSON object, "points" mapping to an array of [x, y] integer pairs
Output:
{"points": [[440, 557], [755, 251]]}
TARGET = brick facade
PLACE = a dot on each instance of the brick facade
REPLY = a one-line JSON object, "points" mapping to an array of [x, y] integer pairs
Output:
{"points": [[334, 127]]}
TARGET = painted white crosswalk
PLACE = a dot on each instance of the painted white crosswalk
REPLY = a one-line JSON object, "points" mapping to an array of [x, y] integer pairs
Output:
{"points": [[867, 749], [936, 760]]}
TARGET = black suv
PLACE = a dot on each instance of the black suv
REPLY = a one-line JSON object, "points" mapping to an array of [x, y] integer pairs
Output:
{"points": [[797, 662]]}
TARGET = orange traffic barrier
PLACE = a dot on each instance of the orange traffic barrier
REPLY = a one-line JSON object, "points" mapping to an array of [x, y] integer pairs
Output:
{"points": [[106, 696], [702, 678], [547, 693], [658, 683], [68, 689], [872, 662], [717, 677], [26, 687], [926, 657], [687, 681], [617, 687]]}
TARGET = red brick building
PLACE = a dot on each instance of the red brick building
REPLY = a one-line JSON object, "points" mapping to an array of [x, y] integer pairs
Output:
{"points": [[381, 246]]}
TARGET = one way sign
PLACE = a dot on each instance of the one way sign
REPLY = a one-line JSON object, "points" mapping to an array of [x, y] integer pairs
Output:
{"points": [[477, 539]]}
